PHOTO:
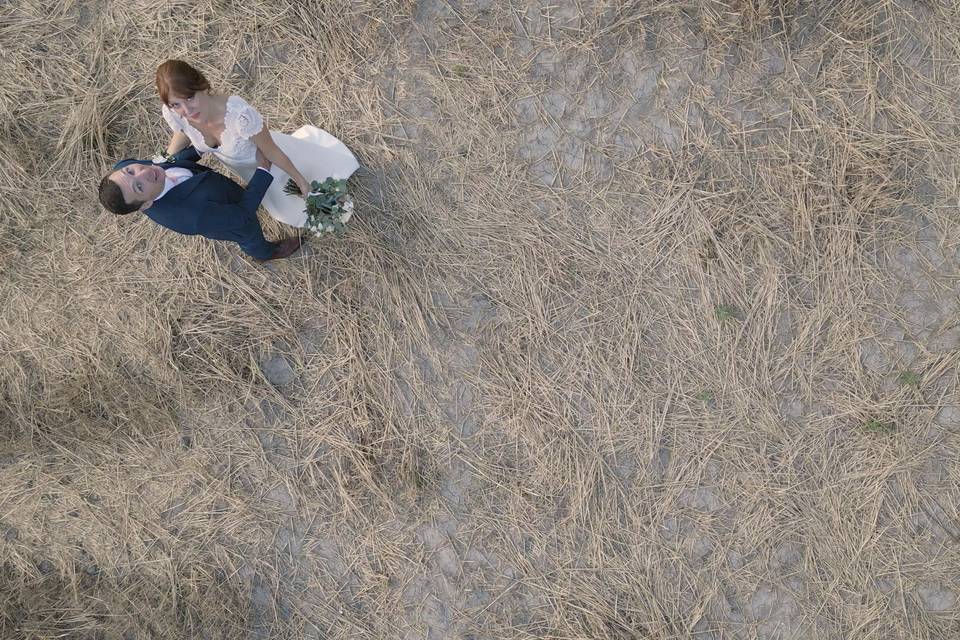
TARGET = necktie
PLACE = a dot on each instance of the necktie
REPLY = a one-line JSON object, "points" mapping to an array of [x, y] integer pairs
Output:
{"points": [[177, 174]]}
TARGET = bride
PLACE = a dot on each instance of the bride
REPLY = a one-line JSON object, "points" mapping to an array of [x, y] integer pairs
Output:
{"points": [[232, 130]]}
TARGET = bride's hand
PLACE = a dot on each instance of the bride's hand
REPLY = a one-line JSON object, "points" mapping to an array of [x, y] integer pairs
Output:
{"points": [[305, 188]]}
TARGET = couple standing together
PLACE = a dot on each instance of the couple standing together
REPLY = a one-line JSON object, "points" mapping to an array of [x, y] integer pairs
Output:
{"points": [[192, 199]]}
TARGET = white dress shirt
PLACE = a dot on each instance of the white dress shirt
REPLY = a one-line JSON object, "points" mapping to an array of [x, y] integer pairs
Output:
{"points": [[175, 175]]}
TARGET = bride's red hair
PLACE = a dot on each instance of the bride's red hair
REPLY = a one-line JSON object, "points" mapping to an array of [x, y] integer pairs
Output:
{"points": [[176, 77]]}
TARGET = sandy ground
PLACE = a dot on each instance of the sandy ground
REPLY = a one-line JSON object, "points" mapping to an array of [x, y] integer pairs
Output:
{"points": [[646, 327]]}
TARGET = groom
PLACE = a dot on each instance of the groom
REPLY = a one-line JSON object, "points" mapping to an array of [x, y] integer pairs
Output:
{"points": [[194, 200]]}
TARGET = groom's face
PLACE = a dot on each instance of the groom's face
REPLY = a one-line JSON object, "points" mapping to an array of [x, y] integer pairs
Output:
{"points": [[140, 182]]}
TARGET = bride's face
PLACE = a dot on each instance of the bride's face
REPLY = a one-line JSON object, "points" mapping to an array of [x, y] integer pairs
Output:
{"points": [[193, 108]]}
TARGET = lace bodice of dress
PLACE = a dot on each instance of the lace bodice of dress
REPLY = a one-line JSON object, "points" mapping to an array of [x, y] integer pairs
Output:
{"points": [[241, 122]]}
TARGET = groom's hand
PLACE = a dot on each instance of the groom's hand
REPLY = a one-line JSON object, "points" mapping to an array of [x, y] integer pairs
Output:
{"points": [[263, 161]]}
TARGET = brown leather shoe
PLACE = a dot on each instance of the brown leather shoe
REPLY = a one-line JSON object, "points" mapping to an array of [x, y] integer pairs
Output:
{"points": [[288, 247]]}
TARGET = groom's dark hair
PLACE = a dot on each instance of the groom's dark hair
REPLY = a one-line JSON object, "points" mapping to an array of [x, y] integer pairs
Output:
{"points": [[111, 197]]}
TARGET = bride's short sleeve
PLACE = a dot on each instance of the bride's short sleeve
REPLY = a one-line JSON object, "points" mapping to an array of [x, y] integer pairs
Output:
{"points": [[172, 119], [249, 122]]}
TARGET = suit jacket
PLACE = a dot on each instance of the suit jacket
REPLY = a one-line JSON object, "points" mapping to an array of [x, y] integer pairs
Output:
{"points": [[209, 204]]}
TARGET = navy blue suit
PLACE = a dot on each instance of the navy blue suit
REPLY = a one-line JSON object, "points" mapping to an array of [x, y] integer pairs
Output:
{"points": [[212, 205]]}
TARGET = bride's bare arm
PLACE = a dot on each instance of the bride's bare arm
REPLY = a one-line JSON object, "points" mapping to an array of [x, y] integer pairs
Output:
{"points": [[178, 142], [276, 155]]}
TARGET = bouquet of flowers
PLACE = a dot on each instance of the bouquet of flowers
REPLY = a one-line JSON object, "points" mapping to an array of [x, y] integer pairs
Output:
{"points": [[329, 206]]}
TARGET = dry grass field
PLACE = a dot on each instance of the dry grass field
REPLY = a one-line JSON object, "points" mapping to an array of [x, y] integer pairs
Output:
{"points": [[647, 326]]}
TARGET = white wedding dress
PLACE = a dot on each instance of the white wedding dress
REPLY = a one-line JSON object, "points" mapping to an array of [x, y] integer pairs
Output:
{"points": [[314, 152]]}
